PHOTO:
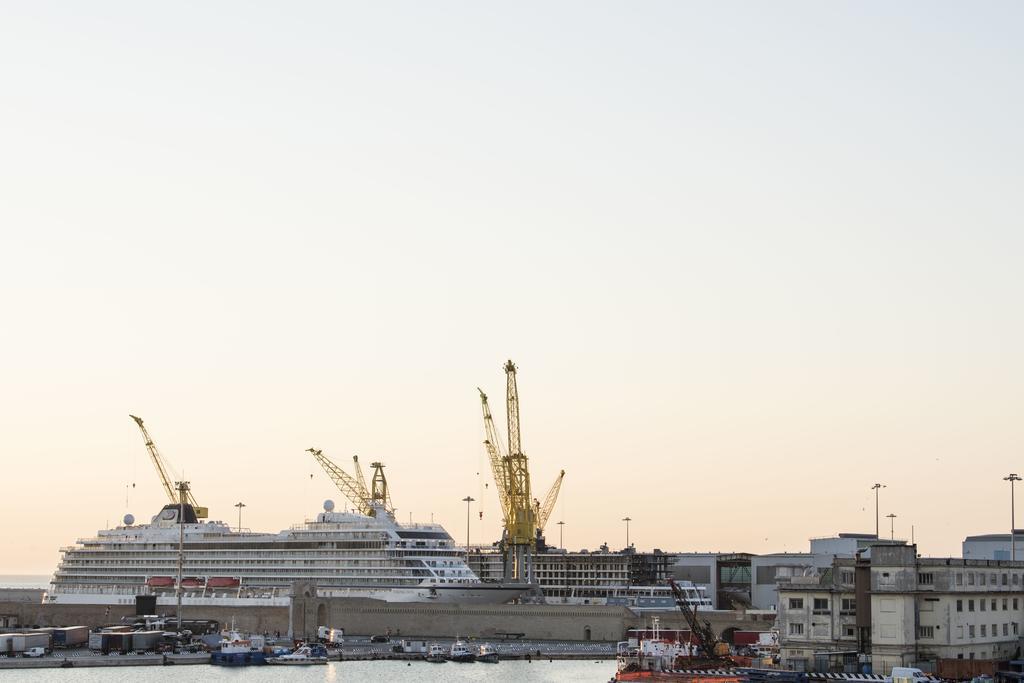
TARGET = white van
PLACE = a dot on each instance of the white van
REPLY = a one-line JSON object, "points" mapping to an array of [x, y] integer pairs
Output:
{"points": [[907, 674]]}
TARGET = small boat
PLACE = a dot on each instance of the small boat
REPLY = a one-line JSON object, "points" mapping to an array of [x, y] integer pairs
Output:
{"points": [[487, 653], [238, 650], [307, 654], [460, 652], [160, 581], [438, 654], [193, 582]]}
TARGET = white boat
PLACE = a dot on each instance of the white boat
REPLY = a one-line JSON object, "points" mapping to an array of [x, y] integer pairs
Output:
{"points": [[345, 554], [461, 652], [438, 654], [304, 655], [487, 653]]}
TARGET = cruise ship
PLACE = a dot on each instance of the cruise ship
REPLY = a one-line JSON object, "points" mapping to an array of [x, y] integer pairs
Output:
{"points": [[344, 554]]}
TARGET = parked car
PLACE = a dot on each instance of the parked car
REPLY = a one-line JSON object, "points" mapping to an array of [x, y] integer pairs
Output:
{"points": [[35, 652], [380, 639]]}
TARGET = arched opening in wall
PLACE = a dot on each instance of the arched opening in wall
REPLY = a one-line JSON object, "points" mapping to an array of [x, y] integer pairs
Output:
{"points": [[586, 633], [321, 615], [729, 635]]}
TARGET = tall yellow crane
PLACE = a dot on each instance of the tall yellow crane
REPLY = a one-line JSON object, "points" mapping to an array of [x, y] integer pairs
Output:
{"points": [[522, 527], [360, 479], [161, 469]]}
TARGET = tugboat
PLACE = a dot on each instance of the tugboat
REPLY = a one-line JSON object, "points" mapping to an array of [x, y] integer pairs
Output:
{"points": [[237, 650], [488, 653], [461, 653], [307, 654], [438, 654]]}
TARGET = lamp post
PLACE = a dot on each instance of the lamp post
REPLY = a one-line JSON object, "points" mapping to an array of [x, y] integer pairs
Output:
{"points": [[1012, 477], [892, 526], [467, 500], [239, 505], [561, 528], [876, 487]]}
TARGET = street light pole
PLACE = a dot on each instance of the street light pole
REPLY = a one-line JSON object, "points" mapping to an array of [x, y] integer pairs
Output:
{"points": [[876, 487], [239, 505], [892, 526], [561, 528], [467, 500], [1013, 519]]}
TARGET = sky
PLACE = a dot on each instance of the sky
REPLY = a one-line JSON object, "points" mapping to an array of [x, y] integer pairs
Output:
{"points": [[749, 258]]}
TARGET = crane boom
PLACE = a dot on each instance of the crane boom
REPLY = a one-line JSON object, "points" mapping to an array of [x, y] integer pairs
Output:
{"points": [[522, 528], [497, 458], [346, 483], [544, 510], [161, 470], [359, 477]]}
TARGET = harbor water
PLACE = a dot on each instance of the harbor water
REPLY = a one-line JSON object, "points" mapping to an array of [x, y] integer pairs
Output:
{"points": [[521, 671]]}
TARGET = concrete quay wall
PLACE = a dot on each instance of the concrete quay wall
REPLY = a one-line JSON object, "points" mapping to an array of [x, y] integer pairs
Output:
{"points": [[536, 622]]}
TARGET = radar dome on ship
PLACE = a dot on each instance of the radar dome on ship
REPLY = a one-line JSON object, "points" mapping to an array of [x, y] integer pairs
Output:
{"points": [[328, 505], [129, 519]]}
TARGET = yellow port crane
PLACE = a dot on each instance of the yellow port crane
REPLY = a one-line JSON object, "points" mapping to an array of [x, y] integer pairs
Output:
{"points": [[542, 511], [354, 488], [161, 469]]}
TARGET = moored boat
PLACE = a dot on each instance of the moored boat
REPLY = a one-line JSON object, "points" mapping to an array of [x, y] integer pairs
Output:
{"points": [[460, 652], [487, 653], [238, 650], [438, 654], [307, 654]]}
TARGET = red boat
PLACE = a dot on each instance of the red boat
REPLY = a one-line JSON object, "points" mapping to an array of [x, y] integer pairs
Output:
{"points": [[223, 582], [193, 582], [160, 581]]}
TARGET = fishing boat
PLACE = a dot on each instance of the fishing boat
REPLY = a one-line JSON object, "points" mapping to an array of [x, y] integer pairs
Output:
{"points": [[438, 654], [238, 650], [307, 654]]}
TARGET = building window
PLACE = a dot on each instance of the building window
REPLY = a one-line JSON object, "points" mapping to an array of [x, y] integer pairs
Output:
{"points": [[796, 603], [970, 578], [983, 631], [960, 632], [981, 604], [796, 629], [1015, 603], [1006, 581], [1005, 604], [959, 605], [925, 578], [970, 605], [820, 604], [1006, 629], [925, 631], [992, 576], [959, 578], [850, 631], [1013, 625], [847, 577], [1016, 579], [970, 631], [849, 605], [981, 578]]}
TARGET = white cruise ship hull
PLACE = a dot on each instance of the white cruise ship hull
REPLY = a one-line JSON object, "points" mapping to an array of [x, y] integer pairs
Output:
{"points": [[483, 594]]}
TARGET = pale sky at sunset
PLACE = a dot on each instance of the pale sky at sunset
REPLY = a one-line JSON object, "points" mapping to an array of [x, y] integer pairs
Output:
{"points": [[750, 258]]}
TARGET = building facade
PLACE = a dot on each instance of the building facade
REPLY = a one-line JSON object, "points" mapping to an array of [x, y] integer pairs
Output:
{"points": [[893, 608]]}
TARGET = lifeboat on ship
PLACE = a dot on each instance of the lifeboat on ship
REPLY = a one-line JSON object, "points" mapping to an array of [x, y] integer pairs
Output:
{"points": [[223, 582], [160, 581], [193, 582]]}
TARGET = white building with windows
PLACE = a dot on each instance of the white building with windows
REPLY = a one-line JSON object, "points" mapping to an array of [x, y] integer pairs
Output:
{"points": [[896, 609]]}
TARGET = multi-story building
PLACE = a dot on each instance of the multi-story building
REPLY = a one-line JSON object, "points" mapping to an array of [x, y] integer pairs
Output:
{"points": [[992, 546], [891, 608]]}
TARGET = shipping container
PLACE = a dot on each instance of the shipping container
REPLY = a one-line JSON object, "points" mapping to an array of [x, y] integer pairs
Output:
{"points": [[5, 642], [143, 641], [70, 636], [24, 641], [98, 642]]}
